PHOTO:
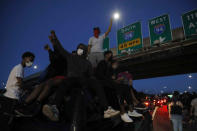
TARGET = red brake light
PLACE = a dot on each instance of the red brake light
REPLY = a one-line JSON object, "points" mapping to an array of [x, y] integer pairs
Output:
{"points": [[146, 103]]}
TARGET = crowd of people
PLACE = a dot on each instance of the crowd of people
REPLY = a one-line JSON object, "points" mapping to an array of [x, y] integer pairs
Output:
{"points": [[87, 68], [183, 110]]}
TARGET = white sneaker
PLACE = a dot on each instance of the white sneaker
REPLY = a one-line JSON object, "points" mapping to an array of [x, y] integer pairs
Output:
{"points": [[134, 114], [126, 118], [107, 115], [110, 112], [113, 112], [51, 112]]}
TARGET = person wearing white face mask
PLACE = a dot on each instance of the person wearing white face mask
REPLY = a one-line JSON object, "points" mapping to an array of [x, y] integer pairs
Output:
{"points": [[15, 79], [80, 71], [79, 52], [28, 64]]}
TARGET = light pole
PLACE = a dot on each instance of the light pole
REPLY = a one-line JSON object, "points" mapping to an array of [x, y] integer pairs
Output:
{"points": [[116, 17]]}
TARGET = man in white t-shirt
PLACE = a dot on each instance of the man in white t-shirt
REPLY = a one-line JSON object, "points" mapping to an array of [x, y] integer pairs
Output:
{"points": [[95, 46], [15, 79]]}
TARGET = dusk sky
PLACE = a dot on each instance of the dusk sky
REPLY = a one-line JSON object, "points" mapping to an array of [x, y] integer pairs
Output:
{"points": [[26, 24]]}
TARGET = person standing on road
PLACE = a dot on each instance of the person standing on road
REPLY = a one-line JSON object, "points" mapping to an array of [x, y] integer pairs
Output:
{"points": [[193, 110], [95, 45], [175, 112]]}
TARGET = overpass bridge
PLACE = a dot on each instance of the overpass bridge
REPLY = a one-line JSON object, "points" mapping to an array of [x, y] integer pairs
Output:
{"points": [[176, 57]]}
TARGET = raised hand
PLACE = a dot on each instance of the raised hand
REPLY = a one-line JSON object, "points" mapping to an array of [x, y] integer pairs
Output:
{"points": [[52, 37], [111, 20], [47, 47]]}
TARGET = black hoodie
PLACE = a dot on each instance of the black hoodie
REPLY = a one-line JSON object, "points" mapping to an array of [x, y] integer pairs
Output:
{"points": [[57, 65], [77, 66]]}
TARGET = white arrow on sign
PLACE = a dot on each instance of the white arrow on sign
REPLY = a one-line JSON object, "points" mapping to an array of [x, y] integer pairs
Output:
{"points": [[161, 39]]}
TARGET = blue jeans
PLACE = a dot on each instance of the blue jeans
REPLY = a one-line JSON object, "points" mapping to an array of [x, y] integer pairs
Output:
{"points": [[177, 122]]}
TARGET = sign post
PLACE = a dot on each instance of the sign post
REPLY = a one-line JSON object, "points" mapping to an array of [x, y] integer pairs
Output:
{"points": [[106, 44], [190, 23], [159, 29], [129, 38]]}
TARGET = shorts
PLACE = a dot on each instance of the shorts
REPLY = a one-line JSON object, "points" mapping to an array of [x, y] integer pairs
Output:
{"points": [[58, 77]]}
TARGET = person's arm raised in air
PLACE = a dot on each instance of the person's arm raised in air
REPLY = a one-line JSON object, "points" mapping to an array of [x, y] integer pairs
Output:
{"points": [[57, 46], [109, 29], [52, 55]]}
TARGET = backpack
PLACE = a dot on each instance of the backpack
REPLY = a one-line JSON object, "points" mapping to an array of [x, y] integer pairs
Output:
{"points": [[176, 109]]}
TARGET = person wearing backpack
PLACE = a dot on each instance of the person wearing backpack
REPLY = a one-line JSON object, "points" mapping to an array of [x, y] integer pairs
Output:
{"points": [[175, 112]]}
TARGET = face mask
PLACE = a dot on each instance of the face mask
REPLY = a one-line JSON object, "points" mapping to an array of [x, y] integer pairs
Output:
{"points": [[79, 51], [29, 64]]}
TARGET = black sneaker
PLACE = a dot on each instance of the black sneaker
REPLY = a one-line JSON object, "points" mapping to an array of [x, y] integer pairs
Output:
{"points": [[36, 108], [29, 111], [23, 112]]}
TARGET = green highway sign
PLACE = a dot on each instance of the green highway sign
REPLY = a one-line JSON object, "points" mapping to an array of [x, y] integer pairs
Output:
{"points": [[106, 44], [159, 29], [190, 23], [129, 38]]}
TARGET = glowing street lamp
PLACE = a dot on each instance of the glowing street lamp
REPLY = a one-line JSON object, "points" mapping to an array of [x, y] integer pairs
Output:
{"points": [[35, 67], [189, 87], [190, 76], [116, 16]]}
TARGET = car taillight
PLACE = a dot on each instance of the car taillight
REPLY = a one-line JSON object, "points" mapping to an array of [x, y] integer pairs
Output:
{"points": [[146, 103]]}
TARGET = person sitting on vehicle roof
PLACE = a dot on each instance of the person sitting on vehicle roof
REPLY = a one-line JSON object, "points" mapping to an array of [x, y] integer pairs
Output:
{"points": [[127, 79], [15, 80], [79, 69], [52, 76], [106, 72]]}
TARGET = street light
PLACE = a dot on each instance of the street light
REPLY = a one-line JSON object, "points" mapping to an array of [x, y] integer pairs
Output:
{"points": [[189, 87], [35, 67], [190, 76], [116, 15]]}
